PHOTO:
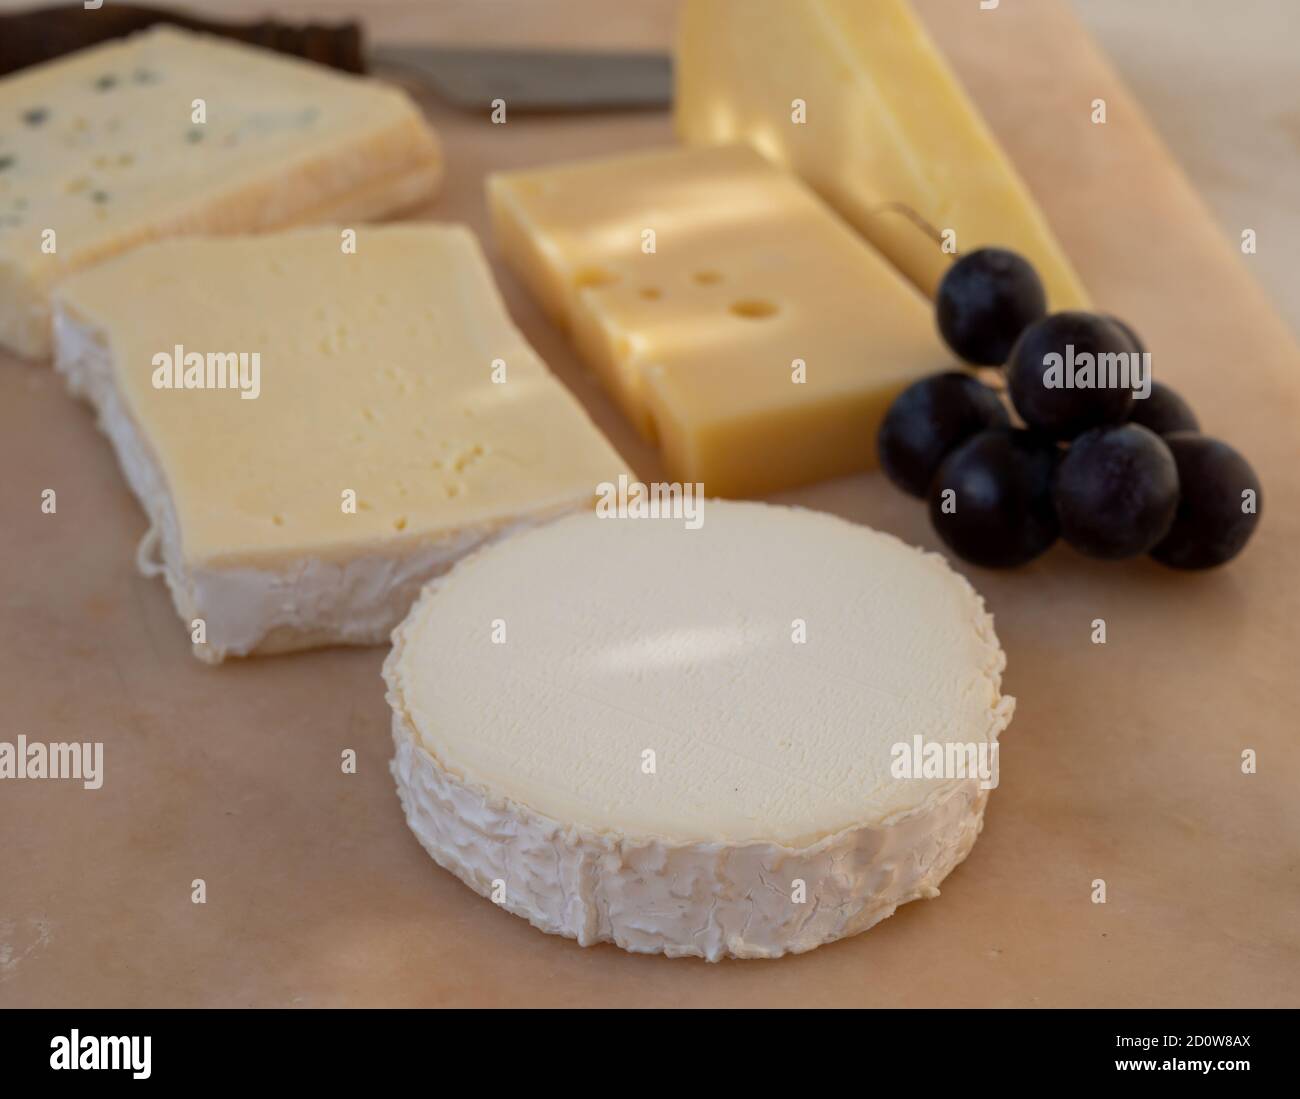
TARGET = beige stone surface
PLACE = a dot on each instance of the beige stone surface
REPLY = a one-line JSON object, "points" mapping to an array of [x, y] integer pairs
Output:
{"points": [[1221, 85]]}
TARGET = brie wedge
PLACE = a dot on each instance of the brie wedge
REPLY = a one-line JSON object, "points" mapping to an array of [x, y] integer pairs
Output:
{"points": [[689, 741], [397, 420]]}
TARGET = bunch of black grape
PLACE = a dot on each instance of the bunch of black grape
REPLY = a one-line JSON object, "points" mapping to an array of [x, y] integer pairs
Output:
{"points": [[1114, 474]]}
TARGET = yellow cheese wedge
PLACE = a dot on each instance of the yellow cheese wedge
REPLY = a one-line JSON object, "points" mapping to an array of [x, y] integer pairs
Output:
{"points": [[169, 133], [346, 425], [854, 97], [728, 311]]}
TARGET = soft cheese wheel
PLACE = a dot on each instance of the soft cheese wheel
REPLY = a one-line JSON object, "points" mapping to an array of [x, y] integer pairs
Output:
{"points": [[630, 731]]}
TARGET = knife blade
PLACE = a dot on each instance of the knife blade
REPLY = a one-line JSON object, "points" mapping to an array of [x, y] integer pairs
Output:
{"points": [[466, 77], [536, 80]]}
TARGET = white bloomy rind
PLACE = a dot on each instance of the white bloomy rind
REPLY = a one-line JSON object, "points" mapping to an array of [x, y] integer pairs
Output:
{"points": [[653, 894]]}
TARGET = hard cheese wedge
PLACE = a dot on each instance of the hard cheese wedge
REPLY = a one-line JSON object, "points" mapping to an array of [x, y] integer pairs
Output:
{"points": [[400, 420], [727, 310], [99, 152], [855, 98], [522, 767]]}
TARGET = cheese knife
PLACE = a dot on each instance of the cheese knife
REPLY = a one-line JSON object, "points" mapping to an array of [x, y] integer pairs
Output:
{"points": [[467, 77]]}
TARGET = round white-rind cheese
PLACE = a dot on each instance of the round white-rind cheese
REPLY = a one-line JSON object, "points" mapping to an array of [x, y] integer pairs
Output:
{"points": [[706, 742]]}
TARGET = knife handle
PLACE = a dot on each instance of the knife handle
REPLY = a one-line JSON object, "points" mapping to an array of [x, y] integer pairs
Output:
{"points": [[30, 37]]}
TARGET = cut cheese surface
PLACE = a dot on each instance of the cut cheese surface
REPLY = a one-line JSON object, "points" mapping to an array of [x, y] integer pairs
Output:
{"points": [[646, 732], [855, 98], [633, 634], [170, 133], [399, 412], [727, 310]]}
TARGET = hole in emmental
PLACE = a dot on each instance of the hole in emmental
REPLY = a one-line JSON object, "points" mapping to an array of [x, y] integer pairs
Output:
{"points": [[652, 293], [594, 277], [753, 308], [707, 278]]}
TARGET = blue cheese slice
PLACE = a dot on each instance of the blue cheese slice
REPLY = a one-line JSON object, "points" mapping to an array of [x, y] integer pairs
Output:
{"points": [[172, 133], [395, 420]]}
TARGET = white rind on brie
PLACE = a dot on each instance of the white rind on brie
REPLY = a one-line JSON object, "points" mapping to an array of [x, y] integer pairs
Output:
{"points": [[656, 896], [772, 823]]}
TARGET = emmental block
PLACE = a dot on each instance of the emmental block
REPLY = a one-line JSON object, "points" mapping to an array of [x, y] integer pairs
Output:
{"points": [[732, 316], [170, 133], [393, 421], [856, 98]]}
